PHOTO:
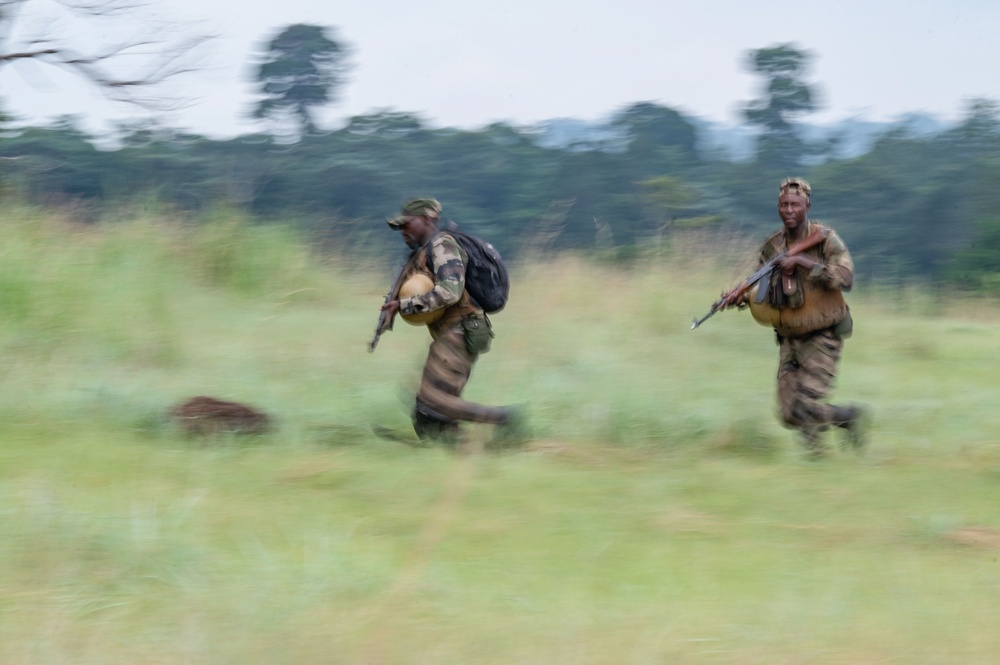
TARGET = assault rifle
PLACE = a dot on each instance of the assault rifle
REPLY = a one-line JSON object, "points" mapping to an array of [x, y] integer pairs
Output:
{"points": [[382, 324], [811, 240]]}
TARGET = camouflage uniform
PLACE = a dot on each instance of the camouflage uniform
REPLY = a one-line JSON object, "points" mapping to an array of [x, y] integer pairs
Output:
{"points": [[449, 361], [808, 358], [453, 351]]}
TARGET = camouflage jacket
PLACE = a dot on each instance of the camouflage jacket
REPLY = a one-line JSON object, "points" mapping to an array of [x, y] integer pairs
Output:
{"points": [[836, 269], [445, 264], [812, 300]]}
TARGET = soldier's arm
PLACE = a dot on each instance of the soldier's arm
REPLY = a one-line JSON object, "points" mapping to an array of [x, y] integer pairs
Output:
{"points": [[449, 279], [837, 268]]}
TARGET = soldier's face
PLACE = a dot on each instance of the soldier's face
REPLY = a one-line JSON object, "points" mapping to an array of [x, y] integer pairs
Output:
{"points": [[792, 209], [416, 231]]}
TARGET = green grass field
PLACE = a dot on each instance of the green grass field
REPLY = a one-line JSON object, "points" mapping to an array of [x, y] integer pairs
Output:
{"points": [[661, 515]]}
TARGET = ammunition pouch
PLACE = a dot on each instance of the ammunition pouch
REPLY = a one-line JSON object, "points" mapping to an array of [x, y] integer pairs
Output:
{"points": [[800, 308], [845, 328], [478, 334]]}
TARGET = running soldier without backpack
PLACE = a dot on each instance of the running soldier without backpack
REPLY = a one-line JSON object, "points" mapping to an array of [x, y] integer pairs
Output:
{"points": [[432, 290], [801, 297]]}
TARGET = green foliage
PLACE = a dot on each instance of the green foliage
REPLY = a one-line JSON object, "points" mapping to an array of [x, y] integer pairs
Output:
{"points": [[61, 281], [904, 208], [228, 251], [978, 266], [669, 198], [302, 68], [658, 139], [909, 204], [56, 163]]}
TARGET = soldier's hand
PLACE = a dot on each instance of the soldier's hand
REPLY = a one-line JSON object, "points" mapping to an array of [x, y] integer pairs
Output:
{"points": [[789, 263], [390, 308], [733, 299]]}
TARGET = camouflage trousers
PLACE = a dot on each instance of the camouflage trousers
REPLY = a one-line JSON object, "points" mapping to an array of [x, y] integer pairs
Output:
{"points": [[807, 367], [439, 401]]}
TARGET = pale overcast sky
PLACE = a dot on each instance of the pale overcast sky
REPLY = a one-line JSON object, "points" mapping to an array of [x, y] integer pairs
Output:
{"points": [[465, 63]]}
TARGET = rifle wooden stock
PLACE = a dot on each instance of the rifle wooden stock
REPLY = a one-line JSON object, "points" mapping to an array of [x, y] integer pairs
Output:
{"points": [[810, 241]]}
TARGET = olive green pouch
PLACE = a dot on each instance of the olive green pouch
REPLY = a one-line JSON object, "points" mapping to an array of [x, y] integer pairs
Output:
{"points": [[478, 334], [845, 328]]}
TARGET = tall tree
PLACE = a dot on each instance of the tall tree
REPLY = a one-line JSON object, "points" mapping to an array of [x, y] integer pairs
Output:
{"points": [[659, 137], [301, 69], [978, 135], [785, 96]]}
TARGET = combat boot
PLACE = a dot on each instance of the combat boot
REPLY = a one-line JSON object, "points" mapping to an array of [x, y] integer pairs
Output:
{"points": [[812, 441], [513, 432], [431, 429], [853, 420]]}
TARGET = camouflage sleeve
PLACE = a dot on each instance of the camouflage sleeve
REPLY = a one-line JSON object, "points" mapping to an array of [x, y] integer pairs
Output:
{"points": [[449, 278], [837, 271]]}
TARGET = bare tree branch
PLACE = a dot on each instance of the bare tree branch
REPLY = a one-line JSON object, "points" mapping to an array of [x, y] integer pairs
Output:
{"points": [[127, 71], [27, 54]]}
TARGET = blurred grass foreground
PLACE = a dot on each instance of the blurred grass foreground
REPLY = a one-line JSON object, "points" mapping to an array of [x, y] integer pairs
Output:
{"points": [[661, 515]]}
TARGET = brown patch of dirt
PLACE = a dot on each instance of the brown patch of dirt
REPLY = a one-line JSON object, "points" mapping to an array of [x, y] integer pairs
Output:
{"points": [[976, 536], [207, 415]]}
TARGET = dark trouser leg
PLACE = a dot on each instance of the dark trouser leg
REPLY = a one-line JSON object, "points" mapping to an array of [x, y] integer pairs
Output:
{"points": [[853, 420], [447, 370], [431, 427], [806, 371]]}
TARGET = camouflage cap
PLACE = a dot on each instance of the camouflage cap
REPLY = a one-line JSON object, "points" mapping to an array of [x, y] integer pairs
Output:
{"points": [[796, 186], [426, 207]]}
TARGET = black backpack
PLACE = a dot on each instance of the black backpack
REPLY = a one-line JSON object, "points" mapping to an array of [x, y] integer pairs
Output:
{"points": [[486, 276]]}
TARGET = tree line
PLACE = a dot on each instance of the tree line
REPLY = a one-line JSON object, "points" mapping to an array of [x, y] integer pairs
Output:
{"points": [[912, 205]]}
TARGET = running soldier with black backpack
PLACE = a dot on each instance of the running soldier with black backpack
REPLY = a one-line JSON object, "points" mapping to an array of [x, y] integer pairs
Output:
{"points": [[435, 289]]}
